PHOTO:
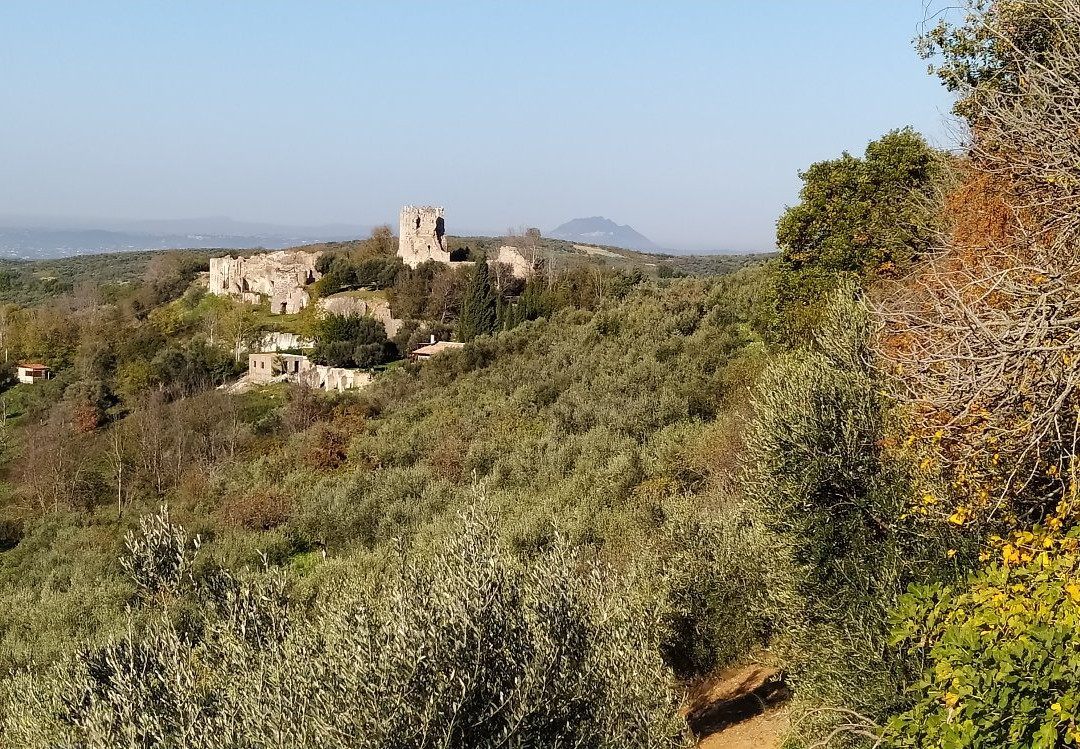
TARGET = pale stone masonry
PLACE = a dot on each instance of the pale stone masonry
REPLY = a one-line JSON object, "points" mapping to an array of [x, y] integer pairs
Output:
{"points": [[520, 266], [422, 235], [281, 276], [271, 366]]}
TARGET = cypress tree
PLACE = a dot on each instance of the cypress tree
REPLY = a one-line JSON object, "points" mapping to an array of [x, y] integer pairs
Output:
{"points": [[479, 306]]}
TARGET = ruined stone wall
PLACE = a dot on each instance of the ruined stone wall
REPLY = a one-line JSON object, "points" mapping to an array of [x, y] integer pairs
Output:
{"points": [[520, 265], [422, 235], [339, 378], [281, 276], [270, 367]]}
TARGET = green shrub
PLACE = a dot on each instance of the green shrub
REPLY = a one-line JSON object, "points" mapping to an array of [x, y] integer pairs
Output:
{"points": [[815, 468], [460, 647], [720, 580], [1001, 652]]}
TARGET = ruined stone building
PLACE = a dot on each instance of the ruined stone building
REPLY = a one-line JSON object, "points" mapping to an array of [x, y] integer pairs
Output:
{"points": [[270, 366], [422, 235], [280, 276], [520, 265]]}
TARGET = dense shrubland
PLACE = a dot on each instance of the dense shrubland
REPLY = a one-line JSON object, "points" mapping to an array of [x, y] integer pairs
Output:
{"points": [[464, 646], [857, 462], [589, 432]]}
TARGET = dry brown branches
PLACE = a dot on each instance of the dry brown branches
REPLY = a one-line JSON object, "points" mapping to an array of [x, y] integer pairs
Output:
{"points": [[985, 336]]}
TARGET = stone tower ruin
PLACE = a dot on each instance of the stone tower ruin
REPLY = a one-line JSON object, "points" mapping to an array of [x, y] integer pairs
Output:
{"points": [[422, 235]]}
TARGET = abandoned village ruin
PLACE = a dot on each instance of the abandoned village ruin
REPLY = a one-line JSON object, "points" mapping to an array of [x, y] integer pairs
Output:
{"points": [[281, 276]]}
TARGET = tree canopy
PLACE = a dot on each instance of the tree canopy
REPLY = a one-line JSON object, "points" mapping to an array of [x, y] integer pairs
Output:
{"points": [[479, 308], [351, 341]]}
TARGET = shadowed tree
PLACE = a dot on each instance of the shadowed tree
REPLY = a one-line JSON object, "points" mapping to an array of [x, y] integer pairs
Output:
{"points": [[478, 311]]}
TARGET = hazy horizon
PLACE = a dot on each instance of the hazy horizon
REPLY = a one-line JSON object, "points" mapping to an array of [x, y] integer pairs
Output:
{"points": [[689, 122]]}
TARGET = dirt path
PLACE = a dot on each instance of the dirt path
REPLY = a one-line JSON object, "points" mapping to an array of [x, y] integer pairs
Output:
{"points": [[740, 708]]}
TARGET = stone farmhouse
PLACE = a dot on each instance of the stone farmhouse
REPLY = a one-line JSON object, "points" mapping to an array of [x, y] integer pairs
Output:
{"points": [[281, 276]]}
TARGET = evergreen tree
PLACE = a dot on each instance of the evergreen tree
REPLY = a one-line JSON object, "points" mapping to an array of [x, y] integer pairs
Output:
{"points": [[535, 301], [478, 311]]}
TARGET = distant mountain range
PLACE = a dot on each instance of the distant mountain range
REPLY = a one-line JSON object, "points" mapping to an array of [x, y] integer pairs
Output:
{"points": [[600, 230], [36, 237]]}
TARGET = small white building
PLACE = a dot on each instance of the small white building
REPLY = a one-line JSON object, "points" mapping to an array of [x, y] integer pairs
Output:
{"points": [[29, 373]]}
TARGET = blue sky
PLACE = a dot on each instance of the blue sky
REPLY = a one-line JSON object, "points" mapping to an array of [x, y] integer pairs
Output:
{"points": [[687, 120]]}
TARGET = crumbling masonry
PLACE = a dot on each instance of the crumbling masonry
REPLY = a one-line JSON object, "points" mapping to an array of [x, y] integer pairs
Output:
{"points": [[422, 235], [281, 276]]}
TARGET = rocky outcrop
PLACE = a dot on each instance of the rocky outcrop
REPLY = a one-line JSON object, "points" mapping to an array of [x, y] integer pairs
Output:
{"points": [[350, 305]]}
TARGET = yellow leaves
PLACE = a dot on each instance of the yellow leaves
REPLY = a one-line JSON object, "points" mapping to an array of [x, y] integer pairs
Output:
{"points": [[1056, 707], [959, 517], [951, 700], [1010, 555], [1073, 591]]}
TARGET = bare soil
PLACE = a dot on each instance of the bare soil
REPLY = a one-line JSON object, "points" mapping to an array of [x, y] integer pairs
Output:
{"points": [[740, 708]]}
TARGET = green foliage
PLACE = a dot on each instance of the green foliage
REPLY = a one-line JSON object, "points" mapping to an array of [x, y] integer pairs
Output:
{"points": [[32, 282], [479, 307], [721, 582], [432, 291], [461, 647], [981, 54], [861, 217], [582, 429], [186, 369], [354, 341], [158, 557], [346, 272], [535, 301], [1001, 653], [815, 467]]}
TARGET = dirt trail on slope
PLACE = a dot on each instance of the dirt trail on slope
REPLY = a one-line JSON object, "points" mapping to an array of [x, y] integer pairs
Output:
{"points": [[740, 708]]}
